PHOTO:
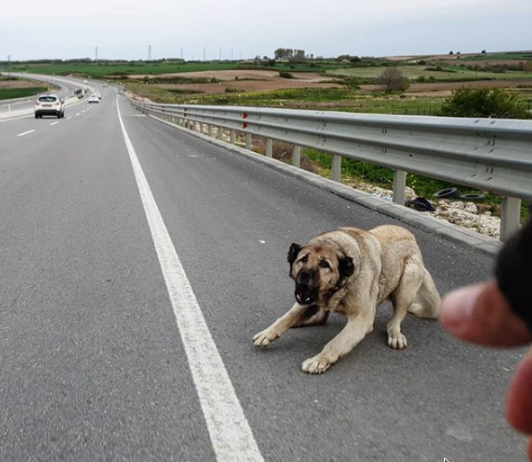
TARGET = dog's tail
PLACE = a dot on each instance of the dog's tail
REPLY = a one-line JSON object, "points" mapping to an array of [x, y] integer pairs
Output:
{"points": [[427, 301]]}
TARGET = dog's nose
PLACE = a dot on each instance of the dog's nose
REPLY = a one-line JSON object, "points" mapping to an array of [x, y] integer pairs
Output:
{"points": [[305, 277]]}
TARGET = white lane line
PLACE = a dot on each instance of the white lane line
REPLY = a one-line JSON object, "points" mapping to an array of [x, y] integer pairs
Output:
{"points": [[231, 435], [26, 133], [54, 123], [68, 118], [77, 114]]}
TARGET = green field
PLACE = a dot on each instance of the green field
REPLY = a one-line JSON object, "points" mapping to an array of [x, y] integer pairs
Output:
{"points": [[11, 93], [102, 70]]}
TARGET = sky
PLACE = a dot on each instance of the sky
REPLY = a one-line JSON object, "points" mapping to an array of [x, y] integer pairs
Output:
{"points": [[124, 29]]}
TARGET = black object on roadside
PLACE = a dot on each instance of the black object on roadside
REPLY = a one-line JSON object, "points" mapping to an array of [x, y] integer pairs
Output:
{"points": [[420, 204], [447, 193], [514, 273]]}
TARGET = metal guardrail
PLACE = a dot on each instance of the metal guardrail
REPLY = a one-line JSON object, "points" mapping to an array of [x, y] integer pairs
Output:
{"points": [[488, 154]]}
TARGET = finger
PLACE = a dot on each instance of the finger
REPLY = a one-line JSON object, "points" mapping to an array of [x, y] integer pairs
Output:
{"points": [[479, 314], [519, 400]]}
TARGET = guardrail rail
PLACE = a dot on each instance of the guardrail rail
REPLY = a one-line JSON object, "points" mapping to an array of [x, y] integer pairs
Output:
{"points": [[488, 154]]}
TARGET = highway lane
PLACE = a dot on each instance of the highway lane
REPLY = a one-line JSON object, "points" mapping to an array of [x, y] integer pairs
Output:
{"points": [[94, 365]]}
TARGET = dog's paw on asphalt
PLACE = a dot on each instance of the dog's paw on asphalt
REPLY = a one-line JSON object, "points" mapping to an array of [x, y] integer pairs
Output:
{"points": [[397, 341], [264, 338], [316, 365]]}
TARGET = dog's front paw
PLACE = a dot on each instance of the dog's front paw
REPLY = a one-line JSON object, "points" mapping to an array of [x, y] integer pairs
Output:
{"points": [[397, 341], [316, 365], [264, 338]]}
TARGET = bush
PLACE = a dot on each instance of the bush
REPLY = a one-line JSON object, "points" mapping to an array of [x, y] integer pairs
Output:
{"points": [[392, 79], [285, 75], [484, 102]]}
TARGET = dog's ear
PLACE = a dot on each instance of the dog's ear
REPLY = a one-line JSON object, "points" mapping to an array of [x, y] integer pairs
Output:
{"points": [[346, 267], [292, 253]]}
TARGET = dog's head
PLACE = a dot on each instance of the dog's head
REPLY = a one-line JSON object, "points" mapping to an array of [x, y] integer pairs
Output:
{"points": [[318, 271]]}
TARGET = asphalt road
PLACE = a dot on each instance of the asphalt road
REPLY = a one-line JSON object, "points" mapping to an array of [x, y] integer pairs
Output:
{"points": [[104, 289]]}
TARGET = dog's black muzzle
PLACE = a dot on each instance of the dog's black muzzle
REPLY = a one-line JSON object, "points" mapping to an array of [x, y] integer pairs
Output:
{"points": [[307, 291]]}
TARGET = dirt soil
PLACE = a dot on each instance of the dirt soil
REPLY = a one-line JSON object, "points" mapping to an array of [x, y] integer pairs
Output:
{"points": [[248, 86], [245, 74], [18, 84]]}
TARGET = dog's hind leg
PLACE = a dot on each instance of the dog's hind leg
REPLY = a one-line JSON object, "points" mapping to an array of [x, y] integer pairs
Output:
{"points": [[427, 302], [402, 299]]}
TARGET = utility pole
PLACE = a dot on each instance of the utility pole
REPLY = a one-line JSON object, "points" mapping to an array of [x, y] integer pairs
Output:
{"points": [[220, 53], [181, 53], [149, 52], [96, 54], [204, 54]]}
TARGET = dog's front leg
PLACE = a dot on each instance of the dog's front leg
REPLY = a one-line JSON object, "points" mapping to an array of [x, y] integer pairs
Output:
{"points": [[279, 327], [357, 327]]}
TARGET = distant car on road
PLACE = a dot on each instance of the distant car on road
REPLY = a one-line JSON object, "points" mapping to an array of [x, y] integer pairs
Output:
{"points": [[49, 105], [94, 98]]}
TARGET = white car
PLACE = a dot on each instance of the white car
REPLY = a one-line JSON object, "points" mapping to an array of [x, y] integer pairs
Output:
{"points": [[94, 99], [49, 105]]}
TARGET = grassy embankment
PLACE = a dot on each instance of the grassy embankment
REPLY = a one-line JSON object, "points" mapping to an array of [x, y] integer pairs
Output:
{"points": [[11, 93]]}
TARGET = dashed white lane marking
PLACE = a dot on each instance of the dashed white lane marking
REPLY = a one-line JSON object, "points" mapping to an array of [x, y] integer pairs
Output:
{"points": [[68, 118], [77, 114], [54, 123], [231, 435], [26, 133]]}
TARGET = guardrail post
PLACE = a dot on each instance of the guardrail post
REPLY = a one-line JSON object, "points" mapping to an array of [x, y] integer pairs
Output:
{"points": [[220, 133], [210, 130], [336, 173], [510, 217], [248, 141], [269, 148], [296, 156], [232, 137], [399, 186]]}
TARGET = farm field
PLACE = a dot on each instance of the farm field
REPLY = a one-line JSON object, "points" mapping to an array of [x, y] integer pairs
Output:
{"points": [[11, 88], [451, 74]]}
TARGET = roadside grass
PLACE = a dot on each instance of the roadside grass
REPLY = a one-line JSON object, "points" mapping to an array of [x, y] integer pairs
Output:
{"points": [[328, 99], [11, 93], [354, 171]]}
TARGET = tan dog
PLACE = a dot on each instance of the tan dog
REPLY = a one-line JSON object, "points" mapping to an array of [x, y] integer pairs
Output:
{"points": [[351, 271]]}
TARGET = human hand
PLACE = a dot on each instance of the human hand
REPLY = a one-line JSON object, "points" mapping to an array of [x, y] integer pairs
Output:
{"points": [[480, 314]]}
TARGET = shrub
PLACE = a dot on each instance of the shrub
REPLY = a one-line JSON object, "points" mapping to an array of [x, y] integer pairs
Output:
{"points": [[392, 79], [285, 75], [484, 102]]}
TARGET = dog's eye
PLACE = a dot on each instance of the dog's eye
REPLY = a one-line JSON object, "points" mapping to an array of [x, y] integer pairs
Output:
{"points": [[304, 259], [324, 264]]}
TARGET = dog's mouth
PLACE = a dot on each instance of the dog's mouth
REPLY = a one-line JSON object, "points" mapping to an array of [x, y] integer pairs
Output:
{"points": [[306, 294]]}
